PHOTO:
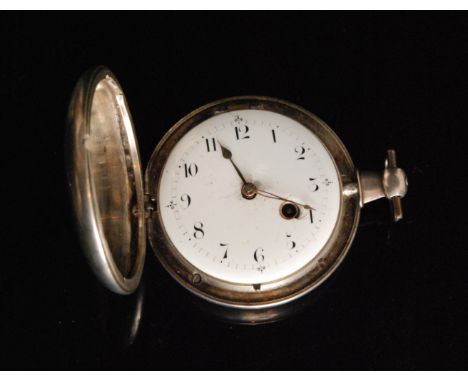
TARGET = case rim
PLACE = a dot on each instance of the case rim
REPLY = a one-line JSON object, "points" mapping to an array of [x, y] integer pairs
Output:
{"points": [[82, 183], [278, 292], [90, 230]]}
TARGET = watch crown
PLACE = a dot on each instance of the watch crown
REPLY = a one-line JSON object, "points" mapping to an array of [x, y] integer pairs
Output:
{"points": [[392, 184], [395, 185]]}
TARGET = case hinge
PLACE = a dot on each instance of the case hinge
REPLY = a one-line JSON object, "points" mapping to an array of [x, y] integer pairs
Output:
{"points": [[150, 205]]}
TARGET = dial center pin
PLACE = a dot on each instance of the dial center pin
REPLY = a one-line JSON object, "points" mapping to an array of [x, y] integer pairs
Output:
{"points": [[249, 190]]}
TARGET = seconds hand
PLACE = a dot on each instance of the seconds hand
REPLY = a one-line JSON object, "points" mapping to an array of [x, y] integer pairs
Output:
{"points": [[267, 194]]}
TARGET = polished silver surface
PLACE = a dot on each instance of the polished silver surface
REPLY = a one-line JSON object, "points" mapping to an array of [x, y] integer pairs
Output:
{"points": [[112, 208], [105, 180], [391, 184]]}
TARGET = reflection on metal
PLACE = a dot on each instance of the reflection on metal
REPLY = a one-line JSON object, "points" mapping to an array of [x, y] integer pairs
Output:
{"points": [[267, 315], [136, 316], [392, 184], [114, 212], [121, 318], [105, 180]]}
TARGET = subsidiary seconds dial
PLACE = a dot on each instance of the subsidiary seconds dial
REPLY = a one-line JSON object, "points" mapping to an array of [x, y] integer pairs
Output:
{"points": [[249, 196]]}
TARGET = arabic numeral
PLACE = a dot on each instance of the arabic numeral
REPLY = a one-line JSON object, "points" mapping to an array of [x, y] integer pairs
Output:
{"points": [[190, 169], [186, 200], [315, 186], [300, 151], [241, 132], [258, 255], [210, 144], [225, 252], [199, 233], [291, 243]]}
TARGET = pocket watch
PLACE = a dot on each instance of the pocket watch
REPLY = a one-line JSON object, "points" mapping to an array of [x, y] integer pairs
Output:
{"points": [[248, 202]]}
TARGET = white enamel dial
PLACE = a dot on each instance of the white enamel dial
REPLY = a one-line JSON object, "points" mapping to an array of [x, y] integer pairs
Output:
{"points": [[228, 236]]}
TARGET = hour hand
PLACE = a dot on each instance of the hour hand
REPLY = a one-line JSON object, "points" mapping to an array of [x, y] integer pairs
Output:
{"points": [[228, 155]]}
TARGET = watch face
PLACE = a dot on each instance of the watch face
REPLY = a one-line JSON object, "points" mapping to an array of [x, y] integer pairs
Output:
{"points": [[259, 232]]}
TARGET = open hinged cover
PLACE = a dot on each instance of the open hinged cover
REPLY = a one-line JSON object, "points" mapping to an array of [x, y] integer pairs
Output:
{"points": [[104, 173]]}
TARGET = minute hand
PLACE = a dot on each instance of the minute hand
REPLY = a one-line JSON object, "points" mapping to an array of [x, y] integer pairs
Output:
{"points": [[267, 194]]}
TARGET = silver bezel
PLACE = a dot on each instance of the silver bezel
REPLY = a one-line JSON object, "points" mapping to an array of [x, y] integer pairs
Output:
{"points": [[276, 292], [82, 182]]}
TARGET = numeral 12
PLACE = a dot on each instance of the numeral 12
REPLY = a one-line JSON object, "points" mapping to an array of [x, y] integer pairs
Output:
{"points": [[241, 133]]}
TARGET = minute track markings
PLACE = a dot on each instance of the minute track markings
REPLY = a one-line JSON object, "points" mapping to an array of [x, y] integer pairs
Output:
{"points": [[203, 188]]}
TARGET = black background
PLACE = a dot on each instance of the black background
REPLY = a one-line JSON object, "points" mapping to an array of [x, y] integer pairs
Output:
{"points": [[379, 80]]}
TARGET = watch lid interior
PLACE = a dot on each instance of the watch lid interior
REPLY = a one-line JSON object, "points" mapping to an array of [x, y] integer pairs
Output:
{"points": [[104, 173]]}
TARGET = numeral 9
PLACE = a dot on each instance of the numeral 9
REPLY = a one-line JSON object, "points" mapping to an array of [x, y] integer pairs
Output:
{"points": [[186, 199]]}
